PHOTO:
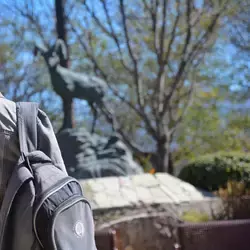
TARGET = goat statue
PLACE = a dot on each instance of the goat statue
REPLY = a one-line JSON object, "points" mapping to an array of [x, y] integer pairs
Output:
{"points": [[69, 84]]}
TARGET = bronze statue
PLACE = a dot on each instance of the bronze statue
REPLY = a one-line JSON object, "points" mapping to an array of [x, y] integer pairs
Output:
{"points": [[70, 84], [86, 155]]}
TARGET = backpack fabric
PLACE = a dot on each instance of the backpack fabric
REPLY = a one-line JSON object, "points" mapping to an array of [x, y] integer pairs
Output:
{"points": [[43, 207]]}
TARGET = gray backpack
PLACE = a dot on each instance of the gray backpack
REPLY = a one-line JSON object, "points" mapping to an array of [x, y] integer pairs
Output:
{"points": [[61, 216]]}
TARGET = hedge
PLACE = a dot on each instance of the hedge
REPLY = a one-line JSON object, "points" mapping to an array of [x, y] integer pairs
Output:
{"points": [[212, 171]]}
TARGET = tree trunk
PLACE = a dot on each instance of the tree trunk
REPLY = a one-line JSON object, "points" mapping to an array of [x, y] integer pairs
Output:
{"points": [[68, 120], [164, 157], [61, 27]]}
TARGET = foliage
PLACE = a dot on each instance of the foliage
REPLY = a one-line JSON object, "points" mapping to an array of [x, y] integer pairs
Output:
{"points": [[236, 202], [195, 216], [210, 172], [211, 126], [217, 118], [145, 162], [235, 205], [233, 189]]}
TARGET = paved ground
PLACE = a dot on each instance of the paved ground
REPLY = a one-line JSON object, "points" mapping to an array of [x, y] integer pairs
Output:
{"points": [[118, 192]]}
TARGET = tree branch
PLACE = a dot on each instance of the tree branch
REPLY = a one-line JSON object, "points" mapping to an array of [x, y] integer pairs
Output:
{"points": [[33, 21], [137, 80], [185, 58], [140, 112], [110, 33], [173, 33], [153, 9], [160, 86], [163, 29], [128, 42]]}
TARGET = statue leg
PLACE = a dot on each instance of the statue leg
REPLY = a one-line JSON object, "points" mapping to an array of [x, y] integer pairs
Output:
{"points": [[109, 116], [95, 114], [68, 119]]}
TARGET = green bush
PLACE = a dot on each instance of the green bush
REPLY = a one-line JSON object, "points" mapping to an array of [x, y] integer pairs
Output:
{"points": [[210, 172], [195, 216]]}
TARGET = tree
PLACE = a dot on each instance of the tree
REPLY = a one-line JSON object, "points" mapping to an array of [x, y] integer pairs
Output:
{"points": [[61, 19], [148, 52]]}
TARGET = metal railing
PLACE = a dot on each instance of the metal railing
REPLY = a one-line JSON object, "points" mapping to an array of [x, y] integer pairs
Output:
{"points": [[106, 240], [215, 235]]}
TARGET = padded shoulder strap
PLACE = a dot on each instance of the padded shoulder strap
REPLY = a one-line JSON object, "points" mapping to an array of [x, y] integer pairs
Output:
{"points": [[27, 126]]}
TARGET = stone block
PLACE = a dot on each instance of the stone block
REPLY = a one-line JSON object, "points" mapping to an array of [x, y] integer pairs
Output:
{"points": [[110, 184], [159, 196], [144, 195], [166, 179], [129, 195], [102, 200], [119, 201], [126, 181], [95, 185], [174, 198], [145, 180]]}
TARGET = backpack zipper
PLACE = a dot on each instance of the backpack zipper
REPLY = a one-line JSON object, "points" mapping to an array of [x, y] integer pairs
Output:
{"points": [[43, 197], [63, 207]]}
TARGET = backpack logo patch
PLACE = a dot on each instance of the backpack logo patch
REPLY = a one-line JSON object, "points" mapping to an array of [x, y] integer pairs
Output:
{"points": [[79, 229]]}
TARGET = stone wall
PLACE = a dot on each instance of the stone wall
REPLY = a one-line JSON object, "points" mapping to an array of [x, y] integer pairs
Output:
{"points": [[150, 227], [142, 232], [141, 208]]}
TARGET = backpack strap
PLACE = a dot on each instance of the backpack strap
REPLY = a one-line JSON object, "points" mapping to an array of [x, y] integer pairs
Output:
{"points": [[27, 126]]}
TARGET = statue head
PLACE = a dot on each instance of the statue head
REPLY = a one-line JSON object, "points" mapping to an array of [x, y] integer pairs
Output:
{"points": [[54, 54]]}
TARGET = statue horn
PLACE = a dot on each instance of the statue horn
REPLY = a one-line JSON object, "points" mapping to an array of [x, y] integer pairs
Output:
{"points": [[35, 51], [39, 49], [61, 49]]}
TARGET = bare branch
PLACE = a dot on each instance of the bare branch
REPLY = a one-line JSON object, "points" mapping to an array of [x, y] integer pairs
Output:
{"points": [[189, 30], [88, 53], [188, 57], [137, 80], [177, 121], [128, 42], [173, 32], [200, 43], [160, 86], [97, 20], [131, 144], [140, 112], [110, 33], [163, 28], [33, 21], [188, 96], [152, 10], [114, 36]]}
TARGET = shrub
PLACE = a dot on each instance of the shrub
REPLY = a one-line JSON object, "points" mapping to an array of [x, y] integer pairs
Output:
{"points": [[236, 202], [211, 172], [195, 216]]}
